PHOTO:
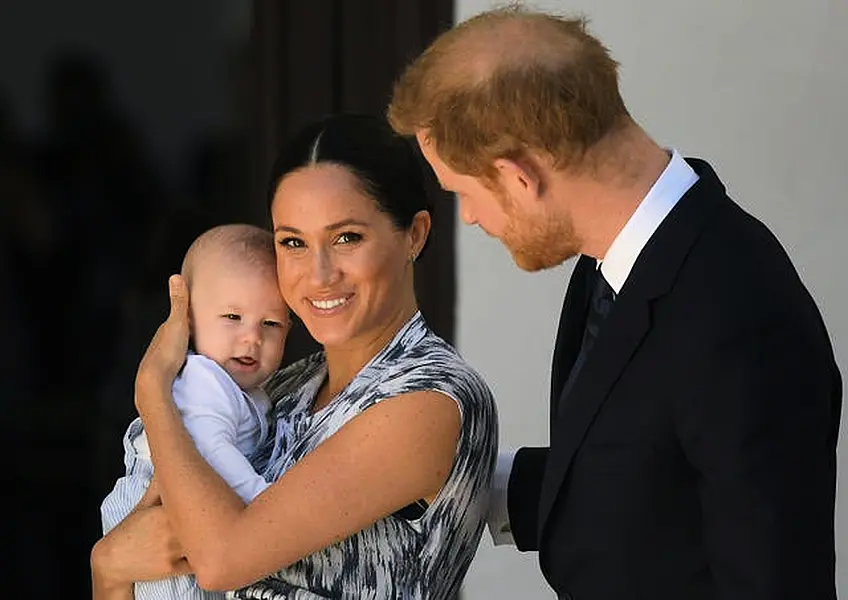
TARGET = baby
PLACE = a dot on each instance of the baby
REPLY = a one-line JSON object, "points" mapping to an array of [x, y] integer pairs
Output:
{"points": [[239, 324]]}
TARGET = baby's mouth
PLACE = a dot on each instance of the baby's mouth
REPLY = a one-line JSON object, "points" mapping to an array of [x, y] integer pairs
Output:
{"points": [[245, 361]]}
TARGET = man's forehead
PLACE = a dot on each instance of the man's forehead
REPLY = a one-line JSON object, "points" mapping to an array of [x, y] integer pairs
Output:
{"points": [[428, 149]]}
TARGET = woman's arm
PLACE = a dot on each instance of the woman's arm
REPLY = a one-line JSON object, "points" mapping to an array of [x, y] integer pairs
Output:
{"points": [[143, 546], [382, 460]]}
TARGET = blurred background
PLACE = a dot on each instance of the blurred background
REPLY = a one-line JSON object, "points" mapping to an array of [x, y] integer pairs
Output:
{"points": [[128, 128]]}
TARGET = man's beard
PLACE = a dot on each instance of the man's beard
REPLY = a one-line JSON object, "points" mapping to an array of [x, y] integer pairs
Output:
{"points": [[537, 244]]}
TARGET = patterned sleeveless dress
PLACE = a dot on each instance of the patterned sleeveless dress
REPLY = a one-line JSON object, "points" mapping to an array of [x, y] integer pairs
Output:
{"points": [[423, 558]]}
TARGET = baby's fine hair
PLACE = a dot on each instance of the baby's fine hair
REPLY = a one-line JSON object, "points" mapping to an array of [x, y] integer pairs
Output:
{"points": [[242, 244]]}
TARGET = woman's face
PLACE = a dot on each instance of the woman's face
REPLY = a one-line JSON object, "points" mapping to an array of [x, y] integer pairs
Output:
{"points": [[342, 265]]}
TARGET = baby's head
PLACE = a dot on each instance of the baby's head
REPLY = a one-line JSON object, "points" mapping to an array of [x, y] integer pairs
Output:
{"points": [[238, 318]]}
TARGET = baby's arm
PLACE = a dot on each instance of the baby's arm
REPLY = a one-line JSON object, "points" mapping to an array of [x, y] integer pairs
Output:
{"points": [[211, 406]]}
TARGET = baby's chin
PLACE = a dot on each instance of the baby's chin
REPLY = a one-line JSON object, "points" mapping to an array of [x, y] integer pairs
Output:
{"points": [[248, 381], [248, 384]]}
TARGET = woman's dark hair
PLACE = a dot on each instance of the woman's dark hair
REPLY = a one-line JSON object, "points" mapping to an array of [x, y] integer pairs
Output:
{"points": [[387, 165]]}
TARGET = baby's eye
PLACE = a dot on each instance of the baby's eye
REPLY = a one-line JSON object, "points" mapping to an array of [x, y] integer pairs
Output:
{"points": [[232, 317], [271, 323], [349, 237]]}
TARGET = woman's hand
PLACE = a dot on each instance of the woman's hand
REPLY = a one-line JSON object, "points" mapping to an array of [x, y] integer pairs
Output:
{"points": [[167, 350], [142, 547]]}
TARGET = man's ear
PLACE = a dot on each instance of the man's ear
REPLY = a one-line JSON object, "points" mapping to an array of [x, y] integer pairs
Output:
{"points": [[521, 177]]}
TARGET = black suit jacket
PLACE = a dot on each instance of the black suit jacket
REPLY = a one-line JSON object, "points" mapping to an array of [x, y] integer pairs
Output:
{"points": [[695, 455]]}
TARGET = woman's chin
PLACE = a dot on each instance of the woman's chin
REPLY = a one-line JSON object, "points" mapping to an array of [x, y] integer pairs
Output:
{"points": [[329, 337]]}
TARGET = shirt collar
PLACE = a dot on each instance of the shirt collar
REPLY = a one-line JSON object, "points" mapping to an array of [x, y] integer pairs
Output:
{"points": [[673, 183]]}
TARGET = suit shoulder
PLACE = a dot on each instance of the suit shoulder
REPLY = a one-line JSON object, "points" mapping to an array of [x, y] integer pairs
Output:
{"points": [[738, 276]]}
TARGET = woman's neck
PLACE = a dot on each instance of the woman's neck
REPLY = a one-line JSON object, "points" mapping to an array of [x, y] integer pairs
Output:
{"points": [[344, 362]]}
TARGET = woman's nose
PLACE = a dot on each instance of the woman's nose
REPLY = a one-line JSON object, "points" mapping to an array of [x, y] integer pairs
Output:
{"points": [[324, 270]]}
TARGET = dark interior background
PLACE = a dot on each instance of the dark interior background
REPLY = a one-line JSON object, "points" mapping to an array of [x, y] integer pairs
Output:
{"points": [[125, 131]]}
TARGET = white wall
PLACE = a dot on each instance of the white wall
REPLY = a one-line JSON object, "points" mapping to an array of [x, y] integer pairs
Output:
{"points": [[758, 88]]}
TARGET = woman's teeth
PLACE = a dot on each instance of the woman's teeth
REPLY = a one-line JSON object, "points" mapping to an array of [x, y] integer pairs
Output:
{"points": [[328, 304]]}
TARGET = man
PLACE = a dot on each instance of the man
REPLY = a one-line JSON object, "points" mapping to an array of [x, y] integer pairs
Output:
{"points": [[695, 400]]}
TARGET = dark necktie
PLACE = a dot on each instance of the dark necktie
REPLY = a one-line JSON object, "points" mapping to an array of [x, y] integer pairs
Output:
{"points": [[600, 304]]}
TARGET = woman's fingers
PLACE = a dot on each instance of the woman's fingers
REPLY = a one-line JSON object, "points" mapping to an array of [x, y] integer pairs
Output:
{"points": [[142, 547], [167, 350], [179, 302]]}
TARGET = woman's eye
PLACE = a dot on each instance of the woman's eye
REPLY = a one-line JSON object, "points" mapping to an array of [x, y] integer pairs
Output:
{"points": [[348, 237], [232, 317], [292, 242]]}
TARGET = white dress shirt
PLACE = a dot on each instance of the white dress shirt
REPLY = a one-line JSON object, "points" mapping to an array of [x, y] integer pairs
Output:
{"points": [[673, 183]]}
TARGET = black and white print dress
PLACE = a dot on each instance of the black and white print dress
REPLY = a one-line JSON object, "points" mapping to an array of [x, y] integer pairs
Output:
{"points": [[399, 557]]}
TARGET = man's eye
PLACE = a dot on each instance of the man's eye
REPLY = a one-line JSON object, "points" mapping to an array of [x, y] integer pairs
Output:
{"points": [[292, 242], [348, 237], [232, 317]]}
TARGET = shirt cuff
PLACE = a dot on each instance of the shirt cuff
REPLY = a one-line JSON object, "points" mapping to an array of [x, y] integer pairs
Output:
{"points": [[498, 518]]}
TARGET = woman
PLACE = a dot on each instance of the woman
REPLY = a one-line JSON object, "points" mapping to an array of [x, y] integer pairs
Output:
{"points": [[383, 444]]}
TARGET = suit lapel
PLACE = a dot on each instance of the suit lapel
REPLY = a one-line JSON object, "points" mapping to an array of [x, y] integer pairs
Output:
{"points": [[619, 338], [627, 325]]}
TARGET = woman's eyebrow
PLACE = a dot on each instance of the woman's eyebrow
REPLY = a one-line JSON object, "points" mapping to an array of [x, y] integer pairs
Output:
{"points": [[346, 223], [332, 227]]}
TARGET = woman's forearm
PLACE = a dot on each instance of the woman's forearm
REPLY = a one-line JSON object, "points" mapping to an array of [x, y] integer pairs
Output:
{"points": [[199, 503]]}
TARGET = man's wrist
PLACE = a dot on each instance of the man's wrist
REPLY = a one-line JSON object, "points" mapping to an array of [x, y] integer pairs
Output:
{"points": [[498, 518]]}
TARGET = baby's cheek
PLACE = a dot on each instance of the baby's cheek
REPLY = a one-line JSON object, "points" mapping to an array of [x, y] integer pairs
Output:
{"points": [[275, 348], [213, 342]]}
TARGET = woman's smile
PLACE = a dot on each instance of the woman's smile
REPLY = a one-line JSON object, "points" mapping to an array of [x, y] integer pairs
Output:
{"points": [[330, 305]]}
